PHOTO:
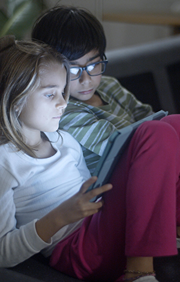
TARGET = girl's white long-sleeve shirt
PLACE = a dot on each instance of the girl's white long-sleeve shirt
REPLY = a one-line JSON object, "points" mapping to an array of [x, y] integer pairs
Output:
{"points": [[29, 189]]}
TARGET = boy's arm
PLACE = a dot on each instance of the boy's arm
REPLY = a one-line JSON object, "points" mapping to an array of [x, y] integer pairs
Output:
{"points": [[111, 87], [91, 132], [137, 109]]}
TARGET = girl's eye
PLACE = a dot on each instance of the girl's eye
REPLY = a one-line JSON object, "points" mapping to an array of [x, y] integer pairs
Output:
{"points": [[49, 95]]}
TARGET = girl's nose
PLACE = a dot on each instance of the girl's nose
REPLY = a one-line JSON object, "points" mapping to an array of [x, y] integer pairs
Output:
{"points": [[61, 104]]}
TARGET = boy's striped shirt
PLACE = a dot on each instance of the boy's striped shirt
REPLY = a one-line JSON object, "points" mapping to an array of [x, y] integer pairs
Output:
{"points": [[91, 126]]}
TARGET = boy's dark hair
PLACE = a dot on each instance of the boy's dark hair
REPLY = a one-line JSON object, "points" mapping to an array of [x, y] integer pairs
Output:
{"points": [[71, 31]]}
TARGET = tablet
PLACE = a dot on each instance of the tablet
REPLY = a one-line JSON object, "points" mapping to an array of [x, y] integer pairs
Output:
{"points": [[115, 147]]}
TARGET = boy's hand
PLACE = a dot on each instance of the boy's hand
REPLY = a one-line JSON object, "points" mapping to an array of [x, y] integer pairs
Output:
{"points": [[79, 205]]}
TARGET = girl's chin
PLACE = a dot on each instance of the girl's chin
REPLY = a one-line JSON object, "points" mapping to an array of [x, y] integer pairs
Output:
{"points": [[52, 129]]}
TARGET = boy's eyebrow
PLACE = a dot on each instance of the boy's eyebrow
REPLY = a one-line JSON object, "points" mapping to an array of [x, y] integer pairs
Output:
{"points": [[89, 60]]}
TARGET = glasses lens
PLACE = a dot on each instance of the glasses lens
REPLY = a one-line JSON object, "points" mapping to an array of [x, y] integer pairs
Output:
{"points": [[96, 68], [74, 73]]}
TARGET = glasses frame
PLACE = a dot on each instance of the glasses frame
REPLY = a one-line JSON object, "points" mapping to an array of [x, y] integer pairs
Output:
{"points": [[105, 61]]}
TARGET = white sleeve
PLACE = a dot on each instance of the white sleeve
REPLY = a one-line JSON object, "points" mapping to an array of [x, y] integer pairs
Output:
{"points": [[71, 142], [82, 167], [16, 245], [84, 171]]}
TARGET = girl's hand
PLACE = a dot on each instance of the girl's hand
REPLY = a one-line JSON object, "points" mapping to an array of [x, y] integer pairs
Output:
{"points": [[79, 205], [72, 210]]}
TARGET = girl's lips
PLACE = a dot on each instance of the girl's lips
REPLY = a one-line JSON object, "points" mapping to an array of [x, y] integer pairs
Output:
{"points": [[58, 117]]}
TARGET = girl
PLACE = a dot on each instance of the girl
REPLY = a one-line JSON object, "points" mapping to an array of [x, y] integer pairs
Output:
{"points": [[39, 170], [43, 199]]}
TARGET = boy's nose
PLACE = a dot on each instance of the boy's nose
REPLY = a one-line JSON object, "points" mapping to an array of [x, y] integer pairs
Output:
{"points": [[85, 77]]}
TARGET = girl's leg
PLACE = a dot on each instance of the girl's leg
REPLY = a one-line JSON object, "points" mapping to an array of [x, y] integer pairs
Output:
{"points": [[138, 218], [174, 121], [134, 262]]}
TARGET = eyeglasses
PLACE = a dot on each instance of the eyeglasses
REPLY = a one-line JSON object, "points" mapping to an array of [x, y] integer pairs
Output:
{"points": [[93, 69]]}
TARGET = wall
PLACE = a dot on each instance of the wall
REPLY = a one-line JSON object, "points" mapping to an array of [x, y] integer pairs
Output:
{"points": [[127, 34]]}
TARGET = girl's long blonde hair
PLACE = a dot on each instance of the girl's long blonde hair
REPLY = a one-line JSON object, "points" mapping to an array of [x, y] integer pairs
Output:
{"points": [[20, 62]]}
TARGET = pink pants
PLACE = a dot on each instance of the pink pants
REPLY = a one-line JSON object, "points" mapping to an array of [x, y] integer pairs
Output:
{"points": [[139, 216]]}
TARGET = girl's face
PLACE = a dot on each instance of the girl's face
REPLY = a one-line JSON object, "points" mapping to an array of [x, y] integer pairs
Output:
{"points": [[84, 88], [44, 106]]}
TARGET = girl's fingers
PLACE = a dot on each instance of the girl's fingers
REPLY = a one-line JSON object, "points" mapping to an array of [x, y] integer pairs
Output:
{"points": [[88, 183], [94, 192], [98, 191]]}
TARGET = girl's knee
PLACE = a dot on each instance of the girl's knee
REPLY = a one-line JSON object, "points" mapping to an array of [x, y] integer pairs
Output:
{"points": [[158, 132], [174, 121]]}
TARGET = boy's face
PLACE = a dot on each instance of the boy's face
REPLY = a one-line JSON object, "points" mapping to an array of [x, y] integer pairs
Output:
{"points": [[84, 87]]}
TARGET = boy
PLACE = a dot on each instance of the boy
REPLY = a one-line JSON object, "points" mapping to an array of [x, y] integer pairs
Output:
{"points": [[98, 105]]}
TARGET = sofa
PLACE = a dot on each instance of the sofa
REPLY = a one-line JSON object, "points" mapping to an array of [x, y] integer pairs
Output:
{"points": [[152, 72], [36, 269]]}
